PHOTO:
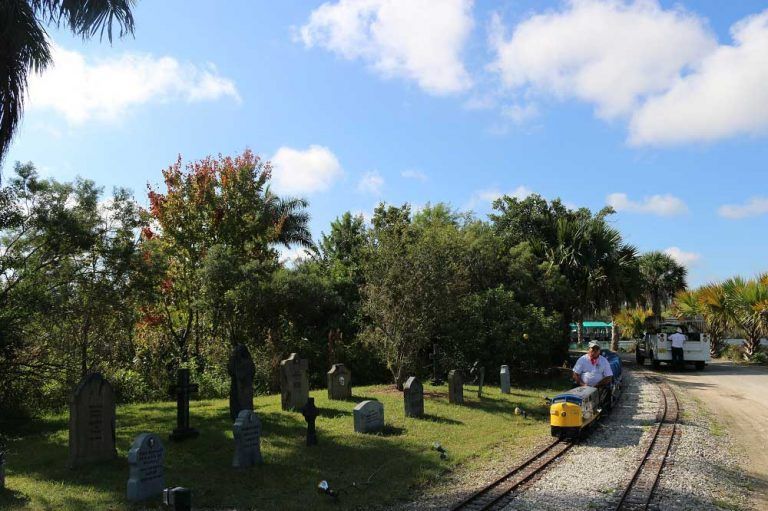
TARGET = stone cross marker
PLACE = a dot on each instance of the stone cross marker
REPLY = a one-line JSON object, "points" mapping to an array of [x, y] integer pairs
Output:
{"points": [[294, 385], [480, 381], [247, 431], [455, 388], [413, 397], [183, 389], [241, 371], [310, 413], [504, 379], [145, 458], [339, 382], [369, 417], [92, 422]]}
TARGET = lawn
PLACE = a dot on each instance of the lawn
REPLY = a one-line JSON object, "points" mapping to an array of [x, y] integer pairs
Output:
{"points": [[369, 469]]}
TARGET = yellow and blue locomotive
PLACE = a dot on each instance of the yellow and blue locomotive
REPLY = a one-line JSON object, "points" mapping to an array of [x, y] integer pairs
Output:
{"points": [[572, 412]]}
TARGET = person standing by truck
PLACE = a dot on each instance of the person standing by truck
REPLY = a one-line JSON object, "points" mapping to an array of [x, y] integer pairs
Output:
{"points": [[678, 342]]}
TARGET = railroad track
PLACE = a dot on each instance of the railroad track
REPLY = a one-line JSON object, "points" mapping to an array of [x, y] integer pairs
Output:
{"points": [[498, 494], [637, 495]]}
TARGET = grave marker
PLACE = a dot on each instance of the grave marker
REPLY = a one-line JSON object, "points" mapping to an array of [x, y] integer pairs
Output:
{"points": [[183, 389], [504, 374], [145, 458], [92, 422], [247, 431], [339, 382], [368, 416], [294, 385], [481, 381], [241, 371], [310, 413], [455, 388], [413, 397]]}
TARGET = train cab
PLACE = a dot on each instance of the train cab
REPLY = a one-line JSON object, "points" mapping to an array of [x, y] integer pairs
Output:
{"points": [[572, 411]]}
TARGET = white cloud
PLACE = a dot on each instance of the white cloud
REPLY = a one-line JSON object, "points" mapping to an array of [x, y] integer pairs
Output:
{"points": [[371, 182], [419, 40], [726, 95], [519, 114], [661, 205], [753, 207], [488, 195], [414, 174], [290, 256], [686, 259], [609, 53], [296, 171], [107, 89]]}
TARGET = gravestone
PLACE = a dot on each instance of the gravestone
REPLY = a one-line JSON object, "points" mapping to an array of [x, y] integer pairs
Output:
{"points": [[455, 388], [339, 382], [369, 417], [480, 381], [183, 389], [92, 422], [310, 413], [294, 385], [413, 397], [247, 431], [241, 371], [145, 459], [504, 374]]}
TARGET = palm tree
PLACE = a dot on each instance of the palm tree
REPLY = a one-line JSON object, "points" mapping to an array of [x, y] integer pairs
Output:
{"points": [[24, 44], [745, 302], [714, 308], [632, 321], [662, 278]]}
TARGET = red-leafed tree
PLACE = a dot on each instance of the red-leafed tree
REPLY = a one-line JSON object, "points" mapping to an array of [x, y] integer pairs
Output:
{"points": [[213, 235]]}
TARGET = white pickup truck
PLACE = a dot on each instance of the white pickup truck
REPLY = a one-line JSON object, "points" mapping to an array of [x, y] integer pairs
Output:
{"points": [[656, 347]]}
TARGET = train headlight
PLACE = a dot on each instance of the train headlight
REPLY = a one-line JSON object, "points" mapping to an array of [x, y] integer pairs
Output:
{"points": [[562, 414]]}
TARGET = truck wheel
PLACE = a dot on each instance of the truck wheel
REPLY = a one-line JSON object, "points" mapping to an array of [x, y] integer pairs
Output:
{"points": [[654, 362], [639, 358], [700, 365]]}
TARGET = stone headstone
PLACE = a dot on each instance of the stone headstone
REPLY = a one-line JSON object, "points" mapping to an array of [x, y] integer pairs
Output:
{"points": [[339, 382], [92, 422], [145, 459], [294, 385], [241, 371], [310, 413], [183, 390], [247, 431], [369, 417], [455, 388], [413, 397], [480, 381], [504, 374]]}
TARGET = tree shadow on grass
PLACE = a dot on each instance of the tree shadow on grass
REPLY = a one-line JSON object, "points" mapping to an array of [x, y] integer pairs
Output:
{"points": [[10, 497], [440, 420]]}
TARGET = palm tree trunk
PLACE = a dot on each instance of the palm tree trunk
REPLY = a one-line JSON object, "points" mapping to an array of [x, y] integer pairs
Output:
{"points": [[580, 331], [614, 337]]}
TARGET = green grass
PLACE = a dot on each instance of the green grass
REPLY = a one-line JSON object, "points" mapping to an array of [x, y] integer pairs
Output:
{"points": [[394, 464]]}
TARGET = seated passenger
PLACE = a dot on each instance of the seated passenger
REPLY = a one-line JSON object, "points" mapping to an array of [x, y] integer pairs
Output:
{"points": [[594, 370]]}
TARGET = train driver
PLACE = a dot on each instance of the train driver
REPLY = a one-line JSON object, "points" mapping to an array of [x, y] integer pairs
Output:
{"points": [[594, 370]]}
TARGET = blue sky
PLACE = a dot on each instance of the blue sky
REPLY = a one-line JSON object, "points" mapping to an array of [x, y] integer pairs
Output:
{"points": [[658, 108]]}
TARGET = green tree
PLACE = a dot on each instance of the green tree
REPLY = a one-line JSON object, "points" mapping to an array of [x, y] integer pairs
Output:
{"points": [[662, 278], [745, 302], [25, 45]]}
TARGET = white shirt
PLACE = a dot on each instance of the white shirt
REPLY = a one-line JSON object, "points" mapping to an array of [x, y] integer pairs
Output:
{"points": [[677, 339], [592, 374]]}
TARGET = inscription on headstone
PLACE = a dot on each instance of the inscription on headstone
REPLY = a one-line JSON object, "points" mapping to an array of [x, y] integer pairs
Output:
{"points": [[294, 385], [92, 422], [241, 371], [339, 382], [145, 458], [247, 431], [368, 416], [455, 388], [413, 397], [504, 374]]}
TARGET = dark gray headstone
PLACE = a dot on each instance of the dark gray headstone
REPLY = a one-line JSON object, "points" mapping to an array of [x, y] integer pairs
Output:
{"points": [[504, 374], [294, 385], [455, 388], [92, 422], [413, 397], [480, 381], [339, 382], [183, 390], [247, 431], [369, 417], [145, 458], [241, 371]]}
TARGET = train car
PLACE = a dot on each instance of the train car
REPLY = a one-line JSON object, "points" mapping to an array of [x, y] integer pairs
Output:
{"points": [[574, 411]]}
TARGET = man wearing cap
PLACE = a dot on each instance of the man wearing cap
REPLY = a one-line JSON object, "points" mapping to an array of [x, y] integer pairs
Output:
{"points": [[678, 341], [594, 370]]}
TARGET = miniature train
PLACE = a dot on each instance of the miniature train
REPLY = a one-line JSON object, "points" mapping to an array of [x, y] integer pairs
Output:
{"points": [[572, 412]]}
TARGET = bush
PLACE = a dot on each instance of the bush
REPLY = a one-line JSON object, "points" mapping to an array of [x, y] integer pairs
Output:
{"points": [[131, 387]]}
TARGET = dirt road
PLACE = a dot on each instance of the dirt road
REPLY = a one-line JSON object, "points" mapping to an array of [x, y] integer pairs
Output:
{"points": [[738, 397]]}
